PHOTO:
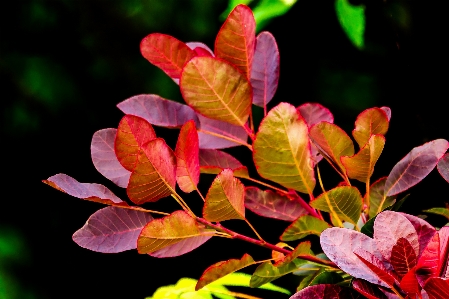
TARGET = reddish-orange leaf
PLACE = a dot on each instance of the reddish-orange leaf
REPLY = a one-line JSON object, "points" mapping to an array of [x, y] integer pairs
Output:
{"points": [[429, 260], [409, 284], [155, 174], [187, 157], [132, 133], [236, 39], [370, 122]]}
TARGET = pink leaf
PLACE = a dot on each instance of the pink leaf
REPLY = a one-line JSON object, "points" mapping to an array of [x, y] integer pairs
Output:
{"points": [[158, 111], [208, 141], [313, 113], [104, 158], [443, 265], [112, 230], [403, 257], [200, 49], [272, 205], [265, 69], [367, 289], [214, 161], [437, 288], [443, 167], [326, 291], [424, 230], [375, 265], [181, 247], [187, 157], [430, 258], [166, 52], [387, 111], [415, 166]]}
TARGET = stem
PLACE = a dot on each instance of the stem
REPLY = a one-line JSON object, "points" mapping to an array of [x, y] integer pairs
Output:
{"points": [[140, 209], [254, 230], [249, 131], [201, 195], [184, 206], [367, 195], [337, 219], [227, 138], [306, 206]]}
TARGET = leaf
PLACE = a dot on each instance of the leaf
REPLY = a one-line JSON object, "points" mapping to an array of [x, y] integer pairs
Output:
{"points": [[214, 161], [169, 230], [265, 69], [375, 265], [187, 158], [415, 166], [208, 141], [225, 198], [367, 289], [236, 39], [314, 113], [437, 288], [303, 227], [265, 10], [428, 263], [443, 167], [361, 165], [200, 49], [326, 277], [155, 174], [221, 269], [378, 202], [339, 245], [344, 201], [217, 90], [387, 111], [104, 158], [326, 291], [424, 230], [182, 247], [352, 20], [282, 149], [166, 52], [185, 288], [272, 205], [303, 248], [403, 257], [132, 133], [439, 211], [373, 121], [267, 272], [91, 192], [112, 230], [159, 111], [409, 284], [332, 141]]}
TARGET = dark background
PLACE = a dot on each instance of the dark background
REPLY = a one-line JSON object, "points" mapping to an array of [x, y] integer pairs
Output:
{"points": [[65, 64]]}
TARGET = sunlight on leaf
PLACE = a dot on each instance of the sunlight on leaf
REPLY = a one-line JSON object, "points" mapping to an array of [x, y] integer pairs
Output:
{"points": [[352, 20]]}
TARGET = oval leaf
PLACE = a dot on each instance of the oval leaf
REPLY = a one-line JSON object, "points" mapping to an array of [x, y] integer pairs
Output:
{"points": [[282, 149], [216, 127], [187, 158], [304, 226], [159, 111], [214, 161], [373, 121], [112, 230], [104, 158], [403, 257], [166, 52], [267, 272], [314, 113], [415, 166], [325, 291], [225, 198], [182, 247], [236, 39], [443, 167], [265, 69], [217, 90]]}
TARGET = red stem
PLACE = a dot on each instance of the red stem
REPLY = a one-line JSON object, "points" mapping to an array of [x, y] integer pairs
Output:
{"points": [[306, 206]]}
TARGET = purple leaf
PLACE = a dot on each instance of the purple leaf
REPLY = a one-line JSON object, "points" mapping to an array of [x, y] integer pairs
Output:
{"points": [[200, 49], [272, 205], [443, 167], [104, 158], [326, 291], [387, 111], [158, 111], [424, 230], [214, 161], [265, 69], [181, 247], [375, 265], [208, 141], [313, 113], [415, 166], [112, 230]]}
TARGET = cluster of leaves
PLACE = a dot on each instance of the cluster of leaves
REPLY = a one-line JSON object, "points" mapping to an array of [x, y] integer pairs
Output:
{"points": [[220, 88]]}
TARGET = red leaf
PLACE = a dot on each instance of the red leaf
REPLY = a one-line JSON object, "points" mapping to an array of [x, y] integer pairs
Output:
{"points": [[181, 247], [314, 113], [187, 157], [443, 167], [214, 161], [200, 49], [409, 283], [415, 166], [155, 174], [236, 39], [265, 69], [104, 158], [112, 230], [429, 261], [326, 291], [367, 289], [403, 257], [443, 266], [158, 111], [132, 133], [208, 141], [437, 288], [166, 52], [272, 205], [375, 265], [92, 192], [424, 230]]}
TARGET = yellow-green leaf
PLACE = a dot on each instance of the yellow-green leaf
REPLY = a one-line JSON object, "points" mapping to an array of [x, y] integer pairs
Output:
{"points": [[376, 198], [267, 272], [302, 248], [303, 227]]}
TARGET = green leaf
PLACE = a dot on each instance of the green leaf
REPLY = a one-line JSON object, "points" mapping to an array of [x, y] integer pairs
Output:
{"points": [[376, 198], [267, 272], [439, 211], [352, 20], [304, 226], [266, 10], [302, 248], [282, 149], [326, 277]]}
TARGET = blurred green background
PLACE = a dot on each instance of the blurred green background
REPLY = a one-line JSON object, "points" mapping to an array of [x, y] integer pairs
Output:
{"points": [[65, 64]]}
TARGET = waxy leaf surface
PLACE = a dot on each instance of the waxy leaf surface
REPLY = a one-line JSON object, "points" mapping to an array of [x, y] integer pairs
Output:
{"points": [[216, 89], [209, 141], [326, 291], [168, 230], [166, 52], [155, 174], [236, 39], [221, 269], [91, 192], [267, 272], [376, 198], [265, 69], [415, 166], [403, 257], [225, 198], [345, 202], [187, 158], [314, 113], [443, 167], [214, 161], [200, 49], [282, 149], [132, 134], [361, 165], [303, 227], [272, 205], [112, 230], [373, 121], [437, 288], [159, 111], [104, 158], [367, 289]]}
